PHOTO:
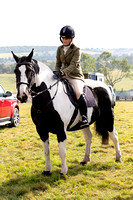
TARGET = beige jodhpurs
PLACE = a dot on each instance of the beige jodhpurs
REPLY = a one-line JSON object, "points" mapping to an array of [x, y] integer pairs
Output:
{"points": [[77, 86]]}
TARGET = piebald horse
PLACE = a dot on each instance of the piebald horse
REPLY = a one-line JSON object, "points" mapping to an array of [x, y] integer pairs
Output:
{"points": [[52, 109]]}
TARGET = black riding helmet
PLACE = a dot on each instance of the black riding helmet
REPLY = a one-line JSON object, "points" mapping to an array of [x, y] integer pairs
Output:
{"points": [[67, 32]]}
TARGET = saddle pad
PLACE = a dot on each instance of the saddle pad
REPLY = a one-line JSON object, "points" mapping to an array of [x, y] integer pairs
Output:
{"points": [[72, 96], [89, 97]]}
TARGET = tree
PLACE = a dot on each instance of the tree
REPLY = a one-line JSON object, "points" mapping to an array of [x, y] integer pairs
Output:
{"points": [[87, 63], [114, 70]]}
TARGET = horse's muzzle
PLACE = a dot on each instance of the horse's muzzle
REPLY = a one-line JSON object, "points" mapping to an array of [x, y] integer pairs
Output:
{"points": [[23, 98]]}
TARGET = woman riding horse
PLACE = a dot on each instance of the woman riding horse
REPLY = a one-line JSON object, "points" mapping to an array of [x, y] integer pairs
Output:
{"points": [[68, 65]]}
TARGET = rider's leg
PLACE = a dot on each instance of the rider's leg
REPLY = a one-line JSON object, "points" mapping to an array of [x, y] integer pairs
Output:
{"points": [[83, 110], [78, 88]]}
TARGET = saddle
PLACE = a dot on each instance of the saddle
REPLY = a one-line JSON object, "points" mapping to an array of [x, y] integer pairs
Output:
{"points": [[90, 100]]}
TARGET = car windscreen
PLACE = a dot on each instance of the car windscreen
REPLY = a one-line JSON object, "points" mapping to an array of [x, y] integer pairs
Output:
{"points": [[1, 91]]}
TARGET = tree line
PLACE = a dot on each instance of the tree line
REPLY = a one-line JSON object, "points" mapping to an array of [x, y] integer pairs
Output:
{"points": [[113, 68]]}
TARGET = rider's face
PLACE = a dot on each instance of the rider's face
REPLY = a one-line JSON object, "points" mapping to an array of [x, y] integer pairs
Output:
{"points": [[66, 41]]}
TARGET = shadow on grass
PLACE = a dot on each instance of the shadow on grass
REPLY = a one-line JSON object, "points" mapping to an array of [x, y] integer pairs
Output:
{"points": [[21, 185], [18, 187], [4, 127], [33, 183]]}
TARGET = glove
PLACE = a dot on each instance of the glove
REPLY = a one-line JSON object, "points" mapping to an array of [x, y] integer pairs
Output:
{"points": [[57, 74]]}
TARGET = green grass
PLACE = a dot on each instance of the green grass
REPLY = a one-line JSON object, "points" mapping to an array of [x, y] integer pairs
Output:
{"points": [[8, 82], [9, 55], [125, 84], [22, 162], [5, 55]]}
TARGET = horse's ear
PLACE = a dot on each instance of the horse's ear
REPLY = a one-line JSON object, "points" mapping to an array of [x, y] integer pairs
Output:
{"points": [[29, 57], [16, 58]]}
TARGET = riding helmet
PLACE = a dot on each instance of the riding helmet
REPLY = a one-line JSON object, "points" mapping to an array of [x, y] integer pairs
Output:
{"points": [[67, 32]]}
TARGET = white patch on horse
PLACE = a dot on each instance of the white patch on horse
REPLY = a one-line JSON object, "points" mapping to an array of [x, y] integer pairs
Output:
{"points": [[59, 101], [114, 137], [46, 150], [88, 141], [44, 75], [62, 153], [23, 78]]}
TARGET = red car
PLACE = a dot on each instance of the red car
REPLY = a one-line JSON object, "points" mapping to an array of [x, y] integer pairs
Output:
{"points": [[9, 109]]}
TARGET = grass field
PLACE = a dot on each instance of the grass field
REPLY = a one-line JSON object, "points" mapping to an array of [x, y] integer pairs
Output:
{"points": [[125, 84], [9, 55], [8, 82], [22, 162]]}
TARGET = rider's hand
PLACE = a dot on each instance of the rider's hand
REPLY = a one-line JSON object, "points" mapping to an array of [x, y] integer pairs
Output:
{"points": [[57, 74]]}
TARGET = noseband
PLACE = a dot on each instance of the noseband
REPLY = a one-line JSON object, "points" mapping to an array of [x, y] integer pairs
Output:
{"points": [[19, 83]]}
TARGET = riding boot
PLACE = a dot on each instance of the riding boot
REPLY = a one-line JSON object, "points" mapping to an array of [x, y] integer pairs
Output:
{"points": [[83, 111]]}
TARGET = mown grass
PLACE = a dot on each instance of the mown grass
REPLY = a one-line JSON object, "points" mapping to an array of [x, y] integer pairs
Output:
{"points": [[22, 162]]}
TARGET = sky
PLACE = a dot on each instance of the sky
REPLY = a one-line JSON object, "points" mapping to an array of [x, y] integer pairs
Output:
{"points": [[97, 23]]}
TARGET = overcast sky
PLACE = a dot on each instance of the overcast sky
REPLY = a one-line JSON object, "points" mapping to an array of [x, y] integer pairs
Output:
{"points": [[97, 23]]}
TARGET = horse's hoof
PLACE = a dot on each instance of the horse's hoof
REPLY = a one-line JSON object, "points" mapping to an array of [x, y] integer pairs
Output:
{"points": [[46, 173], [118, 161], [62, 176], [83, 163]]}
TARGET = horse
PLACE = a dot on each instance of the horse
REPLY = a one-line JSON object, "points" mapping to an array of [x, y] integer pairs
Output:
{"points": [[53, 111]]}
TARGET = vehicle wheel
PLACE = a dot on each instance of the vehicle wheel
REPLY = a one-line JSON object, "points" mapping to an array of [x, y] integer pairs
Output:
{"points": [[15, 118]]}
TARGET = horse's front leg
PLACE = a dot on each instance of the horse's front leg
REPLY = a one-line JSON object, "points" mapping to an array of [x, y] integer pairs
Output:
{"points": [[62, 153], [46, 150]]}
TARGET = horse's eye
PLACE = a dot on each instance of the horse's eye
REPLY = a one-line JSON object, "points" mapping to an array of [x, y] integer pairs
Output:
{"points": [[27, 71]]}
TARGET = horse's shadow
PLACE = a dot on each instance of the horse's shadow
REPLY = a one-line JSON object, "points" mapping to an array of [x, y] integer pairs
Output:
{"points": [[22, 185]]}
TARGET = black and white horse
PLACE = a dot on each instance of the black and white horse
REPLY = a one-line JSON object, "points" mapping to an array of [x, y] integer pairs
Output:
{"points": [[52, 109]]}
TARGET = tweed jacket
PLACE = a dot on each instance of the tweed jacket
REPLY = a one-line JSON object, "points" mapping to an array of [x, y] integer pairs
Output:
{"points": [[69, 63]]}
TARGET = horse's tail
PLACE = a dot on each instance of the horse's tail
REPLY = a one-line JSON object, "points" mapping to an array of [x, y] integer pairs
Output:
{"points": [[105, 121]]}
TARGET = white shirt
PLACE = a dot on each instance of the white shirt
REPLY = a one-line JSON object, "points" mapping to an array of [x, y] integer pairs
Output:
{"points": [[65, 49]]}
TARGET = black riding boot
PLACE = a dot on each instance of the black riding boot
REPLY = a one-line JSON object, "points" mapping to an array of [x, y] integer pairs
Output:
{"points": [[83, 111]]}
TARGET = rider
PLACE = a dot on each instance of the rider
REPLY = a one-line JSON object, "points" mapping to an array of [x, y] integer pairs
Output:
{"points": [[68, 65]]}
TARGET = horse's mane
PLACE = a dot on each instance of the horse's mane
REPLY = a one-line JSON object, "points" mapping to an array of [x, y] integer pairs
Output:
{"points": [[36, 66], [39, 64]]}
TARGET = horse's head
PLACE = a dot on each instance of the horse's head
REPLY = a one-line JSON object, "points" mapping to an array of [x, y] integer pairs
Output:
{"points": [[25, 73]]}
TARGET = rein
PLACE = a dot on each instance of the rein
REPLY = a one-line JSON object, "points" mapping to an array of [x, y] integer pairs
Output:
{"points": [[49, 88], [37, 94]]}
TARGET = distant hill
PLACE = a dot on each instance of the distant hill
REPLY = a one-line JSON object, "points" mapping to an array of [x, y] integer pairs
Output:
{"points": [[23, 49], [48, 53], [118, 52], [41, 49], [42, 53]]}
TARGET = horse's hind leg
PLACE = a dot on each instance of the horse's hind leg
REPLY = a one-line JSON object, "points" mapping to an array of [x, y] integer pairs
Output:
{"points": [[88, 140], [114, 137]]}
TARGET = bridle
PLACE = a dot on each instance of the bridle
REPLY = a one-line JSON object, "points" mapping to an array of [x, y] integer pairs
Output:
{"points": [[17, 66], [31, 92]]}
